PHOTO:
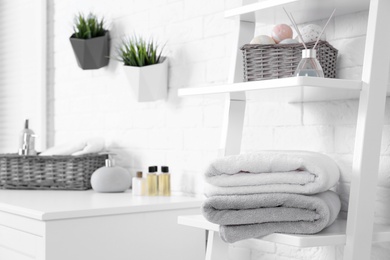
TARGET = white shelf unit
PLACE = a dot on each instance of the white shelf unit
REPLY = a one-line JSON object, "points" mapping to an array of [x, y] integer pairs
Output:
{"points": [[359, 231], [331, 236], [271, 12], [295, 89]]}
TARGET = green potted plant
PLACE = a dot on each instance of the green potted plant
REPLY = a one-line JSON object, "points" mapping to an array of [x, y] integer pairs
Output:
{"points": [[90, 42], [145, 68]]}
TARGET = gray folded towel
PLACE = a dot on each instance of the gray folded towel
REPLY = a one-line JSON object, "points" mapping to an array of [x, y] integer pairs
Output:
{"points": [[255, 215]]}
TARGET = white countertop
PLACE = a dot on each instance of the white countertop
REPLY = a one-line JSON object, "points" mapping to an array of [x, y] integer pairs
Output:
{"points": [[52, 205]]}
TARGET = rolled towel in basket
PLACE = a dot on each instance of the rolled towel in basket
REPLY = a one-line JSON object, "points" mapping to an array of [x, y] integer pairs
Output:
{"points": [[92, 145], [271, 171], [256, 215]]}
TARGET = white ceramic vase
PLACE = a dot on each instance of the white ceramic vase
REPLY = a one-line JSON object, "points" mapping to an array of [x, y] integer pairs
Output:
{"points": [[149, 83]]}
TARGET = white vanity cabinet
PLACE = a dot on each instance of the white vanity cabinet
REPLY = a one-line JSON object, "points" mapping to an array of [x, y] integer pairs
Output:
{"points": [[83, 225]]}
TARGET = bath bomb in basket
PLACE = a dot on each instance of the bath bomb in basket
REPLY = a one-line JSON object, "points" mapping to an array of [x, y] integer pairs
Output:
{"points": [[311, 32], [281, 32], [262, 39], [289, 41]]}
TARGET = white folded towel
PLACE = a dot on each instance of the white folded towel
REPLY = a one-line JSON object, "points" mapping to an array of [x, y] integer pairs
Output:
{"points": [[271, 171], [92, 145]]}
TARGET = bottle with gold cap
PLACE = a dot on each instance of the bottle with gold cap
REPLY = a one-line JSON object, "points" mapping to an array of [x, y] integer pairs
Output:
{"points": [[164, 182], [139, 185]]}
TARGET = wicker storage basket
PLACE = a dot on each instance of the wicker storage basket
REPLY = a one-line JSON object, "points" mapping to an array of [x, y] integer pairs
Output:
{"points": [[49, 172], [271, 61]]}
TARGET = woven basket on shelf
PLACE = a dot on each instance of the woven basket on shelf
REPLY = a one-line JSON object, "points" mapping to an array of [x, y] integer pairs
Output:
{"points": [[60, 172], [272, 61]]}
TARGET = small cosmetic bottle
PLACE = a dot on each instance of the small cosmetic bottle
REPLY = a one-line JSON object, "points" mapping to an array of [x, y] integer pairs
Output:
{"points": [[152, 181], [164, 182], [139, 185]]}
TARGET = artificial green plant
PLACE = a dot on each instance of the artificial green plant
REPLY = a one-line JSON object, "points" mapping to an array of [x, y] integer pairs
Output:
{"points": [[136, 51], [87, 27]]}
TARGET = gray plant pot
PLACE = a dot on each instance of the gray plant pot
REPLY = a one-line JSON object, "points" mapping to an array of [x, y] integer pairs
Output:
{"points": [[91, 53]]}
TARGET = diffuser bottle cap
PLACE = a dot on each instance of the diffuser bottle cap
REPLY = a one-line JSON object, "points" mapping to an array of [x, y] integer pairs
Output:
{"points": [[139, 174], [164, 169], [309, 53]]}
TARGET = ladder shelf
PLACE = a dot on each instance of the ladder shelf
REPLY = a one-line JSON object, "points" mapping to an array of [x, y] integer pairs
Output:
{"points": [[271, 11], [330, 236], [358, 232], [294, 89]]}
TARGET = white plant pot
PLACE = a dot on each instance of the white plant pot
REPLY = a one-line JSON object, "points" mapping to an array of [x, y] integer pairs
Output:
{"points": [[149, 83]]}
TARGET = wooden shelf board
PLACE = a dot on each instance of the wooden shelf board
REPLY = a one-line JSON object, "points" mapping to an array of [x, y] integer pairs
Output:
{"points": [[294, 89], [271, 11], [333, 235]]}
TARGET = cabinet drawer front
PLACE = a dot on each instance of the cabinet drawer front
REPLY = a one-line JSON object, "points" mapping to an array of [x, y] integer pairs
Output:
{"points": [[19, 244], [8, 254], [28, 225]]}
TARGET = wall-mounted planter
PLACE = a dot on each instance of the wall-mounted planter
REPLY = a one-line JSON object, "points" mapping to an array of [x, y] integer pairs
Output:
{"points": [[149, 83], [91, 53]]}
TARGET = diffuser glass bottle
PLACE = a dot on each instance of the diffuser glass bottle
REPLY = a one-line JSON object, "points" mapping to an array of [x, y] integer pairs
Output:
{"points": [[152, 181], [164, 182], [309, 65]]}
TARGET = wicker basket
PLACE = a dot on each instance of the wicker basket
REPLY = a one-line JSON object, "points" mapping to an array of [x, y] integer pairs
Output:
{"points": [[271, 61], [49, 172]]}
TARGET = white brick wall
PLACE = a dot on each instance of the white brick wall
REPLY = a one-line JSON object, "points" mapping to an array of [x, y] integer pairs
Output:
{"points": [[184, 133]]}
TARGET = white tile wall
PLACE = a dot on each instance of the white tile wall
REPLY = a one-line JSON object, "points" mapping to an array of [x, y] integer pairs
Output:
{"points": [[184, 133]]}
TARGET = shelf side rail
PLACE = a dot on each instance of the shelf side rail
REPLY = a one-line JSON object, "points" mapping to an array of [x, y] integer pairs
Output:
{"points": [[368, 133], [233, 120]]}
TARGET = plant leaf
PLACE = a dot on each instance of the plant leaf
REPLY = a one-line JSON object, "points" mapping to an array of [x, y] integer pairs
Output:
{"points": [[88, 27], [136, 51]]}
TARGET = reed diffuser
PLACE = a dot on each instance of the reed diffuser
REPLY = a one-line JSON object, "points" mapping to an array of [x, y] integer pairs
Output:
{"points": [[309, 65]]}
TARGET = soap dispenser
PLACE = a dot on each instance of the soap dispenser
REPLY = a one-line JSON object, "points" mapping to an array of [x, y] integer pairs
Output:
{"points": [[27, 141], [110, 178]]}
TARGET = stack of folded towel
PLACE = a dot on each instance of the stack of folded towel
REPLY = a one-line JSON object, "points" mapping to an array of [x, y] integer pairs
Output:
{"points": [[253, 195]]}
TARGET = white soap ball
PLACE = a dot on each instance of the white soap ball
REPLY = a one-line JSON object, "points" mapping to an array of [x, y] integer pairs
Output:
{"points": [[289, 41], [311, 32], [262, 39]]}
